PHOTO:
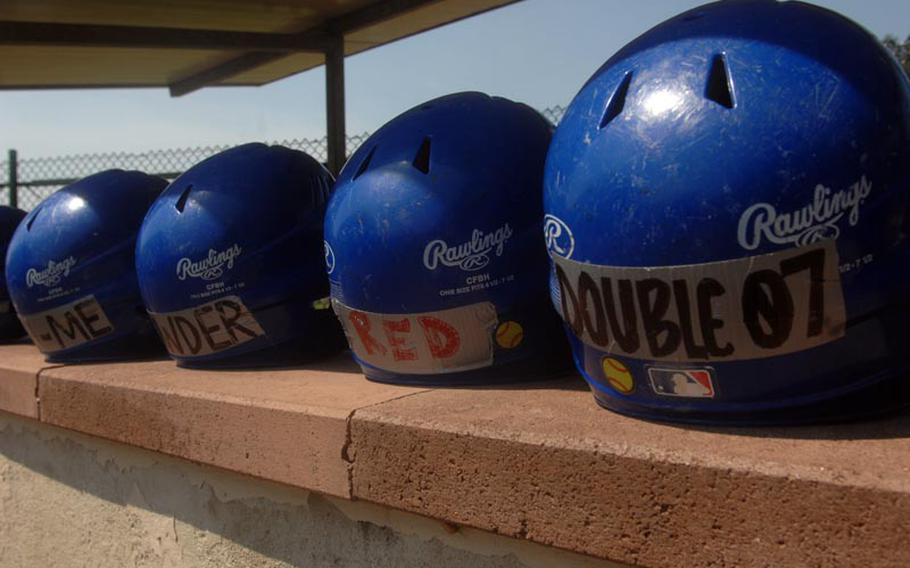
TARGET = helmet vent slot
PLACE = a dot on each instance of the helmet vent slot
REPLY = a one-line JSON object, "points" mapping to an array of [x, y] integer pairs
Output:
{"points": [[181, 201], [719, 88], [617, 101], [28, 226], [422, 159], [364, 164]]}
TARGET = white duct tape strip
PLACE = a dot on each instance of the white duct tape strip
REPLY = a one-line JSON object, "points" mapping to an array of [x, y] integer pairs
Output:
{"points": [[67, 326], [747, 308], [444, 341], [207, 328]]}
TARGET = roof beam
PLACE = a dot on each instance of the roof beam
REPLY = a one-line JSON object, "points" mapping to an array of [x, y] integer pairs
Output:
{"points": [[220, 72], [81, 35], [371, 14]]}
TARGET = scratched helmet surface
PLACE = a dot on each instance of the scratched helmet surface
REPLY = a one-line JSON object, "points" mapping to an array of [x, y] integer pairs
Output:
{"points": [[71, 272], [10, 327], [434, 249], [230, 261], [726, 208]]}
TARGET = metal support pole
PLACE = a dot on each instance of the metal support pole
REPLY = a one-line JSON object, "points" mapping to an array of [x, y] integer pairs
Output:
{"points": [[13, 182], [334, 99]]}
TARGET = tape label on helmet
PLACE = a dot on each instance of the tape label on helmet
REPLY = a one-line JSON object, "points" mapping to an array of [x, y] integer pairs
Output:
{"points": [[207, 328], [445, 341], [746, 308], [67, 326]]}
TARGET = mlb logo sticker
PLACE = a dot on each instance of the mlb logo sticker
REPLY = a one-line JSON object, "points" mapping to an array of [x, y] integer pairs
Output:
{"points": [[686, 383]]}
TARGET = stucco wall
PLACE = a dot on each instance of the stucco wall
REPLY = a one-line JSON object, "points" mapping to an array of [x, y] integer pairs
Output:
{"points": [[68, 500]]}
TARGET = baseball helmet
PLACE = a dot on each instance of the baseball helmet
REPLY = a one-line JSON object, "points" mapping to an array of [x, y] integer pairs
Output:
{"points": [[230, 261], [10, 328], [434, 251], [71, 272], [726, 207]]}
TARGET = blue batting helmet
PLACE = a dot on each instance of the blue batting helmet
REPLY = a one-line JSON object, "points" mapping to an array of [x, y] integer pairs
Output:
{"points": [[10, 328], [71, 272], [727, 214], [434, 250], [230, 260]]}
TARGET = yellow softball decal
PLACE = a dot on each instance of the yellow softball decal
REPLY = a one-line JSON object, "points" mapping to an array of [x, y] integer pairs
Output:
{"points": [[509, 334], [618, 375], [322, 303]]}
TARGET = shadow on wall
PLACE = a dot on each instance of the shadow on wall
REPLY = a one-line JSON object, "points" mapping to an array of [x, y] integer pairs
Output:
{"points": [[69, 500]]}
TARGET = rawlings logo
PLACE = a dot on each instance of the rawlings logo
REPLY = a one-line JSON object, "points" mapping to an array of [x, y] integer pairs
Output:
{"points": [[471, 255], [558, 235], [329, 257], [811, 223], [52, 275], [210, 267]]}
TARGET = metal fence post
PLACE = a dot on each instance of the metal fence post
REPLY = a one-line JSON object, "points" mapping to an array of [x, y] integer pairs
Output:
{"points": [[13, 183], [334, 96]]}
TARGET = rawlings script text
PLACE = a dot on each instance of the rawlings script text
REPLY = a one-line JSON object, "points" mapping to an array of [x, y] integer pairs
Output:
{"points": [[470, 255], [52, 275], [210, 267], [809, 224]]}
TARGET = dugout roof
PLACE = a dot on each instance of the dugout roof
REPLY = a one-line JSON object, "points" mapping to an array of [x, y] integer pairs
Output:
{"points": [[189, 44], [186, 45]]}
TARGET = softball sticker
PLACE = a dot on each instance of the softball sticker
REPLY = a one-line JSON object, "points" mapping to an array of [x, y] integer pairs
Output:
{"points": [[509, 334], [618, 375]]}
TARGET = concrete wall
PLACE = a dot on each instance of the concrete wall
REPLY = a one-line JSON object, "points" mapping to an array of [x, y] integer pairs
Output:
{"points": [[68, 500]]}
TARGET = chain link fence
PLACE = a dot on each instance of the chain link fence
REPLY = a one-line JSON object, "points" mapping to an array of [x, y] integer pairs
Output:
{"points": [[553, 113], [29, 180]]}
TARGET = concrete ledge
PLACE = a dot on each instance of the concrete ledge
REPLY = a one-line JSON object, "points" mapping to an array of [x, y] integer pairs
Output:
{"points": [[539, 462], [547, 464], [283, 425], [20, 365]]}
